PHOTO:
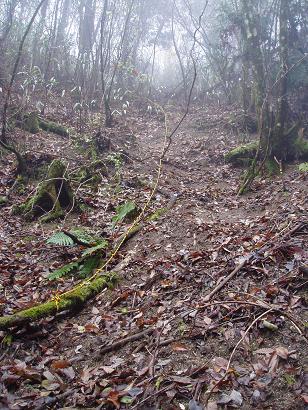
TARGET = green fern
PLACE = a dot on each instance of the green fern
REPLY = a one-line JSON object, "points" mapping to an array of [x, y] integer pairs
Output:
{"points": [[60, 238], [80, 236], [128, 210], [93, 249], [64, 270], [88, 266]]}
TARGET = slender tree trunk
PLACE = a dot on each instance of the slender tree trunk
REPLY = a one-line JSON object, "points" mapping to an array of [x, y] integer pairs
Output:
{"points": [[177, 52], [279, 144], [154, 58], [253, 46]]}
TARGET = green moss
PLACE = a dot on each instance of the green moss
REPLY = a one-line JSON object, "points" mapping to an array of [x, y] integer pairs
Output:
{"points": [[157, 214], [303, 167], [24, 208], [57, 169], [3, 200], [53, 127], [20, 184], [242, 154], [290, 379], [52, 216], [52, 196], [88, 176]]}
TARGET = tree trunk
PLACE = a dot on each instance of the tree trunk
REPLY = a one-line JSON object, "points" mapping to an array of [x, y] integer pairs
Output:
{"points": [[279, 145]]}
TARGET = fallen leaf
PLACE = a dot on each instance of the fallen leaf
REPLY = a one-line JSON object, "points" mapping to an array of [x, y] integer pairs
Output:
{"points": [[282, 352], [178, 347], [60, 364]]}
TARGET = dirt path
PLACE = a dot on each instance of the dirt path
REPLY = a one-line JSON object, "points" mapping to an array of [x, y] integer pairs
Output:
{"points": [[167, 271]]}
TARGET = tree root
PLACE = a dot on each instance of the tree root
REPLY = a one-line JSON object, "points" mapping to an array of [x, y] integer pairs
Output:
{"points": [[68, 301]]}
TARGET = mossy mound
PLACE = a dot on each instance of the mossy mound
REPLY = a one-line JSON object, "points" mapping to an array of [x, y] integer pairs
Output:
{"points": [[52, 197], [243, 154], [91, 174], [32, 124]]}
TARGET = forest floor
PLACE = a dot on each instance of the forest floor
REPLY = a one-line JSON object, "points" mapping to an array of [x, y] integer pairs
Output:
{"points": [[243, 348]]}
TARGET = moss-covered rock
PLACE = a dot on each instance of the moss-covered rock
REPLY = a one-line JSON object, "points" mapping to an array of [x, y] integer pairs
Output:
{"points": [[32, 123], [303, 167], [243, 154], [27, 121]]}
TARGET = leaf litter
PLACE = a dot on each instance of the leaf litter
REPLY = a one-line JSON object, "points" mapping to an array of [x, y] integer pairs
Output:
{"points": [[170, 268]]}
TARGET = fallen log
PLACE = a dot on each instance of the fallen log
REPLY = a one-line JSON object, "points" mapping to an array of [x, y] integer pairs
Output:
{"points": [[67, 301]]}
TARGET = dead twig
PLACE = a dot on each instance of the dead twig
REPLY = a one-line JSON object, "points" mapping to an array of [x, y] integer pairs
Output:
{"points": [[227, 279], [120, 343]]}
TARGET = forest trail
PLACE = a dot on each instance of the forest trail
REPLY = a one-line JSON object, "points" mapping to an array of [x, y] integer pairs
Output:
{"points": [[166, 271]]}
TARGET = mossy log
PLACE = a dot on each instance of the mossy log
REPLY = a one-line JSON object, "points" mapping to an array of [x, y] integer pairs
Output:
{"points": [[32, 123], [67, 302], [52, 197], [53, 127], [243, 154]]}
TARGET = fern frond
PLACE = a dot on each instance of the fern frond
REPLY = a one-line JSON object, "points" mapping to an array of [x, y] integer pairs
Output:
{"points": [[127, 210], [60, 238], [64, 270], [95, 248], [89, 265]]}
